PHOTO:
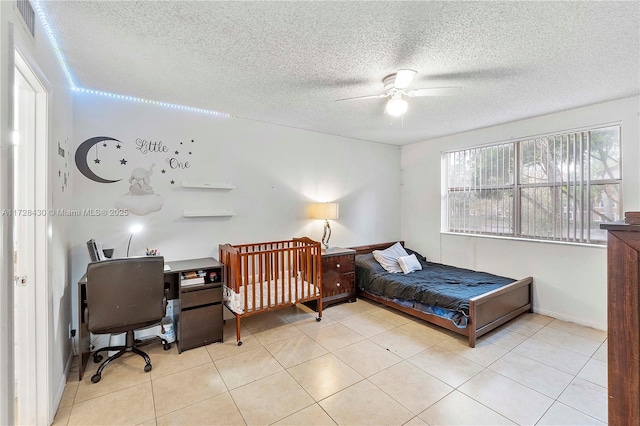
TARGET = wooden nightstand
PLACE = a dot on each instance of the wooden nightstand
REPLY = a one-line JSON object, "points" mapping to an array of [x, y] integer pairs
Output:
{"points": [[338, 276]]}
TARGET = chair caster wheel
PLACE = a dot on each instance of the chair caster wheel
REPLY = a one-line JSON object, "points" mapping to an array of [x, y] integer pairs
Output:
{"points": [[96, 359], [147, 368], [96, 377], [239, 342], [166, 346], [318, 319]]}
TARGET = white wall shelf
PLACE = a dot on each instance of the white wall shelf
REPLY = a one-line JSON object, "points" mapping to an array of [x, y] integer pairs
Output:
{"points": [[208, 213], [207, 185]]}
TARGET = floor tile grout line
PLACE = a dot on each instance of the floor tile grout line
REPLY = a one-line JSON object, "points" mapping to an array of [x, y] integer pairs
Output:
{"points": [[453, 389], [486, 406], [153, 401], [535, 390], [576, 409], [579, 335], [401, 359], [525, 354], [253, 381], [110, 392], [556, 399], [589, 356], [587, 380], [481, 403]]}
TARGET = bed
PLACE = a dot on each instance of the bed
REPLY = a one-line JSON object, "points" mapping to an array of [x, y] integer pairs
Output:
{"points": [[262, 277], [467, 302]]}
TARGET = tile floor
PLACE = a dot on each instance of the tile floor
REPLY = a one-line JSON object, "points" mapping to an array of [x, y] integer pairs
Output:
{"points": [[363, 364]]}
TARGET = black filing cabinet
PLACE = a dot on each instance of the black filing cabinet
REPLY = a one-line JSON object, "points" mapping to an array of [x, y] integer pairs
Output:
{"points": [[199, 320]]}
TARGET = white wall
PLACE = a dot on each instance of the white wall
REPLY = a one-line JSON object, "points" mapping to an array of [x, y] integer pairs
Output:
{"points": [[569, 280], [42, 59], [278, 172]]}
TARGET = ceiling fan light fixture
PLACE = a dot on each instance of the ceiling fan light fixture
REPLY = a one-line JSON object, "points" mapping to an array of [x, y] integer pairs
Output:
{"points": [[396, 107], [403, 78]]}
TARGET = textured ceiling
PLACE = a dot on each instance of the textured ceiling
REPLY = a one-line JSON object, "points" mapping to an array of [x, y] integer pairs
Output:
{"points": [[286, 62]]}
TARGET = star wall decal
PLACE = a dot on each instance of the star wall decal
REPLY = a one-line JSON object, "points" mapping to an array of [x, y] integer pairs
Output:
{"points": [[177, 153], [191, 140], [163, 171], [189, 152], [104, 144], [172, 182], [97, 161], [118, 146], [123, 161]]}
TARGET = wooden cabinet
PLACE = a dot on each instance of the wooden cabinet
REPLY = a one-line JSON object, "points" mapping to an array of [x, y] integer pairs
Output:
{"points": [[623, 323], [199, 320], [338, 276]]}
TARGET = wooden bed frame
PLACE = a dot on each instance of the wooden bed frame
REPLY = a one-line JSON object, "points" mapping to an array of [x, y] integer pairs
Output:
{"points": [[486, 312], [273, 273]]}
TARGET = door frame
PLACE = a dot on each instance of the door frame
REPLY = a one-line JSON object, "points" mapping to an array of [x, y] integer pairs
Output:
{"points": [[7, 378], [40, 325]]}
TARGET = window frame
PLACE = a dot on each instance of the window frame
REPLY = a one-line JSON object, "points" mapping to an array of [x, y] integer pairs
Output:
{"points": [[582, 235]]}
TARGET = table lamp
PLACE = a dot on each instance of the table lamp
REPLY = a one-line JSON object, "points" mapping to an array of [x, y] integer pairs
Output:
{"points": [[325, 211]]}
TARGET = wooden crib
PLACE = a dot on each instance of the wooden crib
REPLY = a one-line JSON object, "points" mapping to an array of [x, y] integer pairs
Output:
{"points": [[262, 277]]}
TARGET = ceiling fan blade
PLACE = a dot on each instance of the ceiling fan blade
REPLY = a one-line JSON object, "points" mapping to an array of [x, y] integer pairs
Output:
{"points": [[404, 78], [383, 95], [435, 91]]}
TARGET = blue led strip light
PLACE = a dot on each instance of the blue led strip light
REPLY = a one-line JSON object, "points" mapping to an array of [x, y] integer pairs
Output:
{"points": [[74, 87], [54, 43], [147, 101]]}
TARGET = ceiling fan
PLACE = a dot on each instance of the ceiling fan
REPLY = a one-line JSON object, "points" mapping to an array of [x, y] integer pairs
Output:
{"points": [[395, 86]]}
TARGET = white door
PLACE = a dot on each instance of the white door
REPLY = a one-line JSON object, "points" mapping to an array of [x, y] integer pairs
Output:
{"points": [[30, 242]]}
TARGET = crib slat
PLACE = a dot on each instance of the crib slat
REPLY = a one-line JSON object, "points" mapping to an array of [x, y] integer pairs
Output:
{"points": [[268, 260], [246, 281], [269, 286], [256, 260], [291, 272]]}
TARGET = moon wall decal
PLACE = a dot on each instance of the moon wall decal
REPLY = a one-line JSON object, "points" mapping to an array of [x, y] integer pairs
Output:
{"points": [[81, 159]]}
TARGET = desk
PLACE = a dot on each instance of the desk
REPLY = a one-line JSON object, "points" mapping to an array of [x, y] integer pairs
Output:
{"points": [[198, 316]]}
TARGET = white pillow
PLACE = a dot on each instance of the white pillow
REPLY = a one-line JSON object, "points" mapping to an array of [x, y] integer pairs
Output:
{"points": [[409, 263], [388, 258]]}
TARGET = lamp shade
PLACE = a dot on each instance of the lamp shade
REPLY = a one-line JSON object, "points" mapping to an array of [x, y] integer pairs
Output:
{"points": [[396, 107], [325, 211]]}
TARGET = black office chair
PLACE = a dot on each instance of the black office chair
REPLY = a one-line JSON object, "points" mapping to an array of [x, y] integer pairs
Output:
{"points": [[124, 295]]}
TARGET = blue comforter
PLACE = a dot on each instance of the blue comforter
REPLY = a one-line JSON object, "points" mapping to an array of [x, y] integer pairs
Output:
{"points": [[437, 285]]}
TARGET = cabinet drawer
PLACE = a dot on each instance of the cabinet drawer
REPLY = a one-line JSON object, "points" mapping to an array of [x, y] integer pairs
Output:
{"points": [[341, 264], [200, 297], [200, 326]]}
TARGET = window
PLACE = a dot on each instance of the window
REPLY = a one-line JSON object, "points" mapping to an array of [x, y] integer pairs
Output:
{"points": [[554, 187]]}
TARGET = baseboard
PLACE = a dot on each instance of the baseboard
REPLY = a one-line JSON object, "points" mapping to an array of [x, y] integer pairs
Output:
{"points": [[60, 391], [568, 318]]}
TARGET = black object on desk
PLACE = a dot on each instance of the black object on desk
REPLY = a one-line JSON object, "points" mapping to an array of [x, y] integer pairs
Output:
{"points": [[199, 314]]}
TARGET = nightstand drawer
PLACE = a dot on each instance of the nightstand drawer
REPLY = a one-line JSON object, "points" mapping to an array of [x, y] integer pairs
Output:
{"points": [[342, 264], [334, 283]]}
